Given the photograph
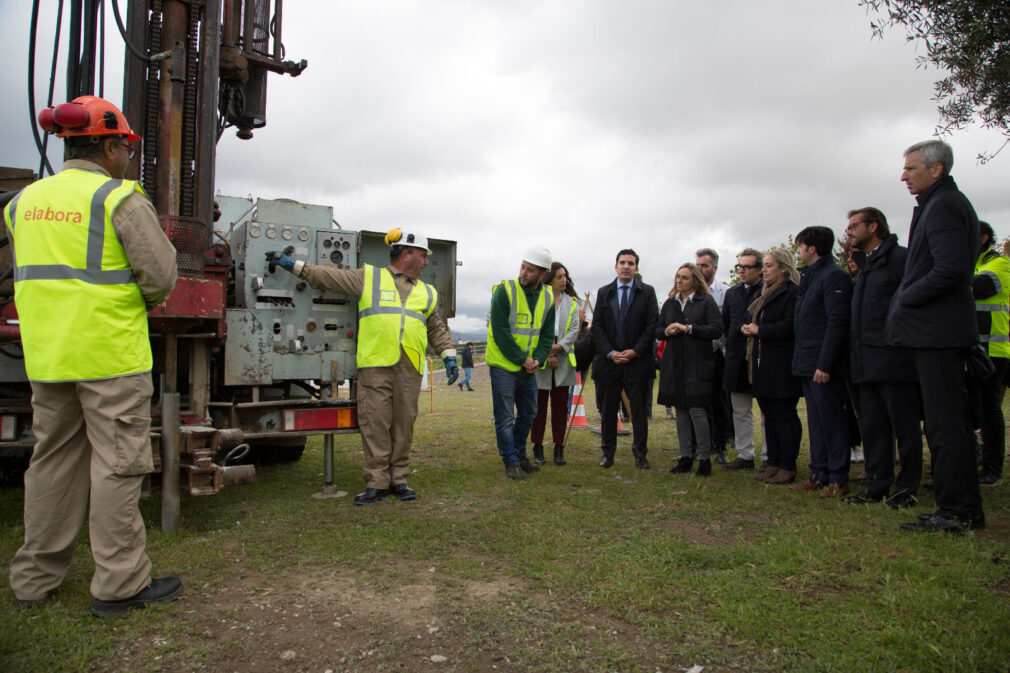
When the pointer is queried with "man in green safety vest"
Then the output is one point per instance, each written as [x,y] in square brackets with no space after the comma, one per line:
[90,258]
[396,322]
[520,334]
[991,288]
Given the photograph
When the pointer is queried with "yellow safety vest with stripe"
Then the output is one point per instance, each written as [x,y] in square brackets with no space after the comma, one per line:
[994,310]
[524,324]
[82,315]
[573,310]
[386,325]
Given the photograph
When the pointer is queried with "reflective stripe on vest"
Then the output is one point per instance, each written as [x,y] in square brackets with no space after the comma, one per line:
[82,314]
[993,313]
[386,325]
[524,324]
[573,308]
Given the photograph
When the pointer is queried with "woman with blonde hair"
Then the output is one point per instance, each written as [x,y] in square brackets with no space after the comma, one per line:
[770,342]
[688,323]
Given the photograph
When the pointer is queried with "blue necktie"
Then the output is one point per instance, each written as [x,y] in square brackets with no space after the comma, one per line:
[622,311]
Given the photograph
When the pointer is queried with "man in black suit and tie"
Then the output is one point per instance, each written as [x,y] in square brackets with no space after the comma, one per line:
[623,326]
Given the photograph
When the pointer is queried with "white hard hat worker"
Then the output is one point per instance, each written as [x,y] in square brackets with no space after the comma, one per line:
[538,256]
[407,239]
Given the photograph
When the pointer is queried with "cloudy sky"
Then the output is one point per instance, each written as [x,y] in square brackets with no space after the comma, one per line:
[583,125]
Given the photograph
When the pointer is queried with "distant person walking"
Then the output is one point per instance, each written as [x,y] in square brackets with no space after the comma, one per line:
[466,362]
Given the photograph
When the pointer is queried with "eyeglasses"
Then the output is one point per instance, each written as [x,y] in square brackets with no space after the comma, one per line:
[853,225]
[131,151]
[741,267]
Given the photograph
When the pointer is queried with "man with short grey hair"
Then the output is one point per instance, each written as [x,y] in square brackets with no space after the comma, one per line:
[933,314]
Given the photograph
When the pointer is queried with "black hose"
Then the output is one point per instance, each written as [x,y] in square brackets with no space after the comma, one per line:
[31,85]
[52,82]
[126,40]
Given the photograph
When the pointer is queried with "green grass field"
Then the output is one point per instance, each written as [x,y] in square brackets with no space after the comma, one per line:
[577,569]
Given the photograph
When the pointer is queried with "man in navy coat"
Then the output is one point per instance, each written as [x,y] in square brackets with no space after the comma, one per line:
[821,360]
[889,406]
[933,313]
[623,324]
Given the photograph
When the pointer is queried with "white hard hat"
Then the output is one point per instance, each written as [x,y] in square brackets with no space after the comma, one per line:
[407,239]
[538,256]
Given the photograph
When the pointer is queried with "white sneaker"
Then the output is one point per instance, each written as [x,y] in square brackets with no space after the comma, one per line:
[856,454]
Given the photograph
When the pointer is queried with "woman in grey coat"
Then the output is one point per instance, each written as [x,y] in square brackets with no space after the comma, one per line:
[689,322]
[557,375]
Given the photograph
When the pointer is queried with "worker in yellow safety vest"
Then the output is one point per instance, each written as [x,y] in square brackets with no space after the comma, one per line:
[991,288]
[90,258]
[397,321]
[520,334]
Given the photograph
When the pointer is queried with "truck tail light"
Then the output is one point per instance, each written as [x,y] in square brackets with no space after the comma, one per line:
[320,419]
[8,427]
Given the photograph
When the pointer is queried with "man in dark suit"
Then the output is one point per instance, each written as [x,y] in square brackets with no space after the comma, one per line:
[623,327]
[735,379]
[933,313]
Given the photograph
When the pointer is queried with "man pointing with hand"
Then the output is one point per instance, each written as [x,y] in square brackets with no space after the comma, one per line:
[396,321]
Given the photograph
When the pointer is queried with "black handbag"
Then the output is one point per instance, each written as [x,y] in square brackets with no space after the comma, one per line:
[584,348]
[978,363]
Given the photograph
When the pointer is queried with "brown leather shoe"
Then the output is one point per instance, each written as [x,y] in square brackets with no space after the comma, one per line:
[807,485]
[782,477]
[764,474]
[834,491]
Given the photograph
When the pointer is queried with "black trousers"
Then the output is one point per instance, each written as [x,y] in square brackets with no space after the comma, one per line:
[986,397]
[948,431]
[639,398]
[890,412]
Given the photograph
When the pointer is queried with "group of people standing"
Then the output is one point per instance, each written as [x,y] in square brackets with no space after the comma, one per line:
[891,346]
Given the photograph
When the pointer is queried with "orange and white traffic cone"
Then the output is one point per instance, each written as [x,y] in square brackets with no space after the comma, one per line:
[577,409]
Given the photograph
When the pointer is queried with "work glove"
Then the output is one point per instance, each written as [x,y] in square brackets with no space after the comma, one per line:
[276,258]
[451,369]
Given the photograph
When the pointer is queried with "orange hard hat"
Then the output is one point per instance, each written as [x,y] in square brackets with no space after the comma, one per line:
[86,116]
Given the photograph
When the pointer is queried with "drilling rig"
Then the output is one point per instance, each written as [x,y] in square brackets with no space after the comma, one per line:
[251,360]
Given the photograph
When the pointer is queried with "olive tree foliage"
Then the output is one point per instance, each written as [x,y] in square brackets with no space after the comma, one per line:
[970,41]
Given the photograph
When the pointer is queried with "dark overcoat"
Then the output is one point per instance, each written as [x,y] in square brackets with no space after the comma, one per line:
[934,307]
[639,325]
[687,370]
[734,316]
[873,359]
[822,320]
[773,349]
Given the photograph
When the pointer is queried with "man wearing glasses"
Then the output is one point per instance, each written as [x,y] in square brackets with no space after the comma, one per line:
[735,379]
[90,258]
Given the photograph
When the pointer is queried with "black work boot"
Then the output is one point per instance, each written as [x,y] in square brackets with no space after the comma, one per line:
[370,496]
[526,466]
[683,465]
[538,454]
[160,590]
[559,454]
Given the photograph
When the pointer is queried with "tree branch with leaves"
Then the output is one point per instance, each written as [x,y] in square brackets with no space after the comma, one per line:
[970,40]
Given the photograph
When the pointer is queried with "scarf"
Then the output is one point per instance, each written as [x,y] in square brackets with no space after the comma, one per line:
[755,308]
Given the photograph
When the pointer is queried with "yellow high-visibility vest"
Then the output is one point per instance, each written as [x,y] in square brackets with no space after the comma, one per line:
[82,313]
[524,324]
[997,307]
[387,325]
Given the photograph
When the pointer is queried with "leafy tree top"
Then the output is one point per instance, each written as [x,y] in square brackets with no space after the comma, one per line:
[970,40]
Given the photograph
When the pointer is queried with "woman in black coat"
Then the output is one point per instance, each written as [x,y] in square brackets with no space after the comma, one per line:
[770,343]
[688,323]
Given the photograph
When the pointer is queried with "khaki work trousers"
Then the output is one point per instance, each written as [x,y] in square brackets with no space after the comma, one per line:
[91,435]
[387,407]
